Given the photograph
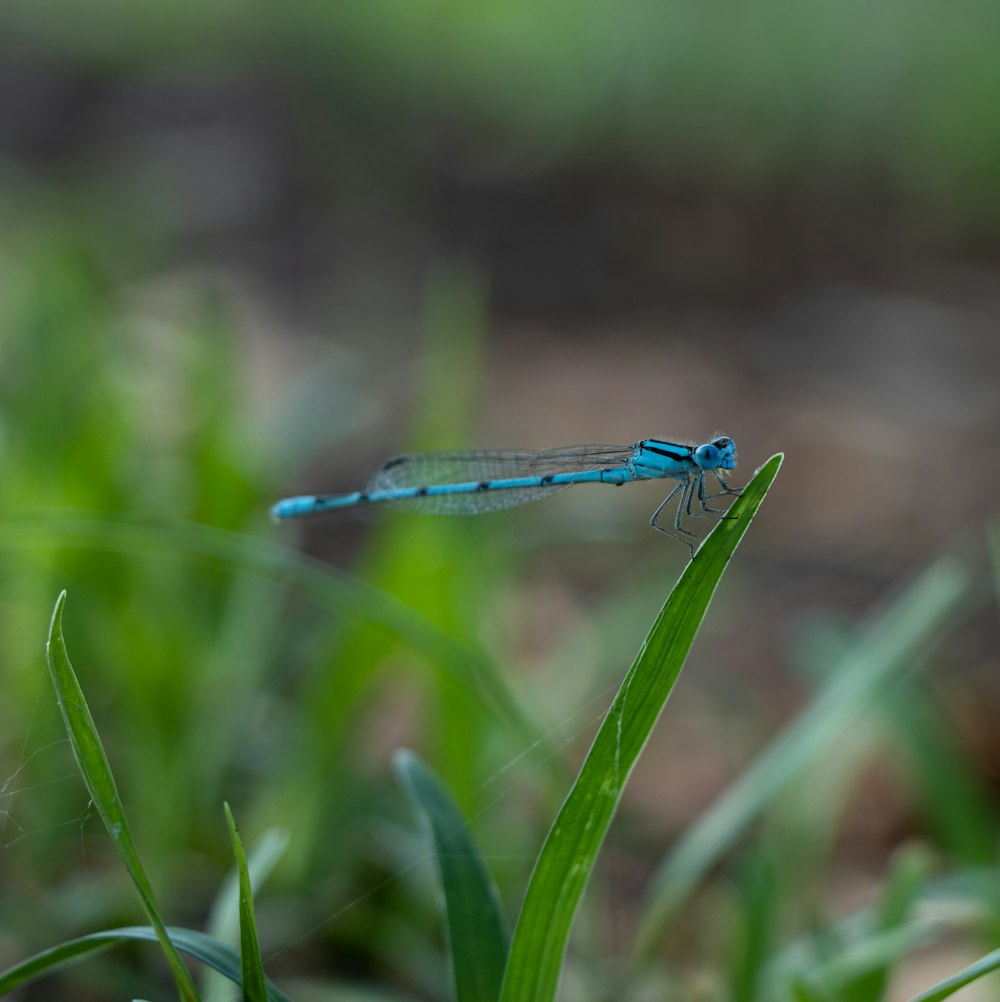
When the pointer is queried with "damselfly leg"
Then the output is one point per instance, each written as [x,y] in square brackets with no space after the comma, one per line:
[707,511]
[686,487]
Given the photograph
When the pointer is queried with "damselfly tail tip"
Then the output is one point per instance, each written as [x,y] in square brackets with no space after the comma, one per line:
[285,509]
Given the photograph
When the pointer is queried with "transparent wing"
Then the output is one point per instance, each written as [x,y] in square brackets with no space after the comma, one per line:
[426,469]
[422,469]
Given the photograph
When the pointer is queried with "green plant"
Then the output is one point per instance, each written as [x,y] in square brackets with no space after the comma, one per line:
[850,960]
[531,969]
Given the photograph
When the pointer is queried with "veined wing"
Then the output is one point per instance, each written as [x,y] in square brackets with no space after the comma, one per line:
[423,469]
[427,469]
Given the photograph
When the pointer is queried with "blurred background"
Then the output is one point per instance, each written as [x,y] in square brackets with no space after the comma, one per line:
[247,252]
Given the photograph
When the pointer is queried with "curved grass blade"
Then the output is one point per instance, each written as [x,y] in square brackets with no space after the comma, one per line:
[898,637]
[868,959]
[219,956]
[574,840]
[860,943]
[133,534]
[251,963]
[834,979]
[943,989]
[96,770]
[477,939]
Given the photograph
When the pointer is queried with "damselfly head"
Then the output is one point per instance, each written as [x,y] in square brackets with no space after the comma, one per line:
[720,453]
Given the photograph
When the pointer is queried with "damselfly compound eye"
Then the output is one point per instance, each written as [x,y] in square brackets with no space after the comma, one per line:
[707,457]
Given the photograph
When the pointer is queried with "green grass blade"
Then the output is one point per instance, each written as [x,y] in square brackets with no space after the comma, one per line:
[477,939]
[571,847]
[252,965]
[984,965]
[758,884]
[223,921]
[950,793]
[868,958]
[96,770]
[223,918]
[56,957]
[467,665]
[219,956]
[805,989]
[910,869]
[898,638]
[842,953]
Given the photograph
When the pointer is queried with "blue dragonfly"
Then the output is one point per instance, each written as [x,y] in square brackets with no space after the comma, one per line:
[466,483]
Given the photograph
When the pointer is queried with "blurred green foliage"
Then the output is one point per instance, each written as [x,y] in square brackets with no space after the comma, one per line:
[138,476]
[139,454]
[138,462]
[900,97]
